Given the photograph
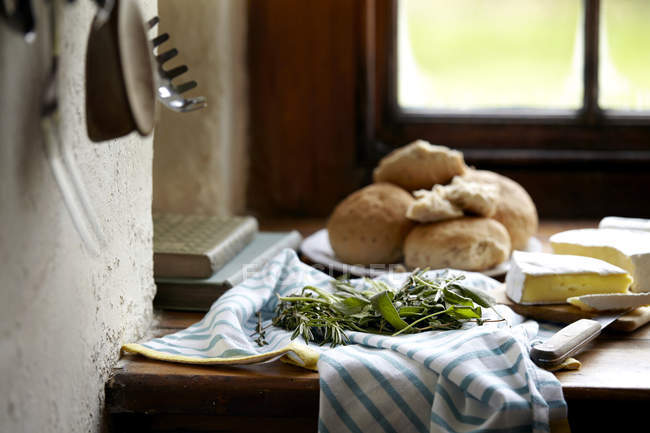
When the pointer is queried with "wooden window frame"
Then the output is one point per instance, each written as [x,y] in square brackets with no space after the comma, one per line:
[588,136]
[321,117]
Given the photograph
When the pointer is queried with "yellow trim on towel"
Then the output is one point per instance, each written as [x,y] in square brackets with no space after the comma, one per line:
[309,357]
[305,357]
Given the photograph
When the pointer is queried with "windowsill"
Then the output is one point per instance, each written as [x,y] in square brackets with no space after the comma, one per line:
[147,395]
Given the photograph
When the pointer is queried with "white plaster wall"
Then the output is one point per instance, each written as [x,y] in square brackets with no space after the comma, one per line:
[200,158]
[63,313]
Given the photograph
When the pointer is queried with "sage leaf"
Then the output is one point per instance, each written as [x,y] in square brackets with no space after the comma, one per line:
[382,303]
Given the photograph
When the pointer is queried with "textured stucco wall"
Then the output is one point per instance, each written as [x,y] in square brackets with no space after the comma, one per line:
[63,313]
[200,157]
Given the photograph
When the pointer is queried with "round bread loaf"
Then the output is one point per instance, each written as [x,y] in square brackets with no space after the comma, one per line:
[470,243]
[370,225]
[515,209]
[419,165]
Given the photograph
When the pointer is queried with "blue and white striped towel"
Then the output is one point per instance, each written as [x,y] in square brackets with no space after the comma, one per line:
[476,379]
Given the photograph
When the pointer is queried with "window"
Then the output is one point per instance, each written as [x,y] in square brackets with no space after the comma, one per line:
[565,79]
[511,55]
[624,64]
[502,56]
[323,79]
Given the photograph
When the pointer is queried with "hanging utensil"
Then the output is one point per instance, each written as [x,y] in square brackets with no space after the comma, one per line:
[18,14]
[169,93]
[61,159]
[120,90]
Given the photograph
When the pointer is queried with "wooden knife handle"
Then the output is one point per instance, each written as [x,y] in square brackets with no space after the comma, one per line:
[566,342]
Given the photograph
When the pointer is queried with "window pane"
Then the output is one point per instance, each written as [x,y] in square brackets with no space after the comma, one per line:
[624,69]
[490,54]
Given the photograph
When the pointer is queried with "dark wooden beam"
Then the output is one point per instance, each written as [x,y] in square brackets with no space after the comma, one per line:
[590,109]
[306,69]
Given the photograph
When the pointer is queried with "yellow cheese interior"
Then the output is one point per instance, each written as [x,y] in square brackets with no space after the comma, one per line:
[607,254]
[557,288]
[576,302]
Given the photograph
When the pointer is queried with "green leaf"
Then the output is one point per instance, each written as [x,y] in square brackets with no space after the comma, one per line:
[421,319]
[411,311]
[323,294]
[351,305]
[454,298]
[465,312]
[383,305]
[479,296]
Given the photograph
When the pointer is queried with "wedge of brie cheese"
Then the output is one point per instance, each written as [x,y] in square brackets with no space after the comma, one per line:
[612,222]
[610,301]
[627,249]
[542,278]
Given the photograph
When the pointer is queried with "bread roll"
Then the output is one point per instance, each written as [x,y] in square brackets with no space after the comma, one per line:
[475,197]
[370,225]
[470,243]
[515,209]
[419,165]
[432,206]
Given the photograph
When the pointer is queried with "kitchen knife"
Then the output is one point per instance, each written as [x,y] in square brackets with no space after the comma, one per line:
[570,340]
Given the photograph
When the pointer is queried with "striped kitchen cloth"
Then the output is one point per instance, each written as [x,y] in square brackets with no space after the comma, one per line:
[479,378]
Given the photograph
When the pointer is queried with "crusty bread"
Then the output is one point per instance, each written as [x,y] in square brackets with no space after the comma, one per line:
[419,165]
[432,206]
[515,209]
[469,243]
[449,201]
[475,197]
[370,225]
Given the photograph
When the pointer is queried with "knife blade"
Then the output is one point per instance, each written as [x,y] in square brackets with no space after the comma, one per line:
[571,339]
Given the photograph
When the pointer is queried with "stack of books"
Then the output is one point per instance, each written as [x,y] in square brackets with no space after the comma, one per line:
[197,258]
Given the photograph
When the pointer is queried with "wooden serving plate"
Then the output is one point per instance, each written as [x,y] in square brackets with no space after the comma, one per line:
[565,313]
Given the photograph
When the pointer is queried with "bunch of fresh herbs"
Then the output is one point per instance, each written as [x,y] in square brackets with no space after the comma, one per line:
[420,304]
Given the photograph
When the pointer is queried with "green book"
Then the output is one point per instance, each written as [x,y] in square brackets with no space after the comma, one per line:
[198,294]
[196,245]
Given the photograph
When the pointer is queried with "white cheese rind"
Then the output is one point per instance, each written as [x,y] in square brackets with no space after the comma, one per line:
[612,222]
[555,264]
[633,244]
[628,242]
[515,279]
[524,264]
[610,301]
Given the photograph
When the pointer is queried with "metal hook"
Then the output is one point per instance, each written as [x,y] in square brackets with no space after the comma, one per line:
[104,11]
[19,15]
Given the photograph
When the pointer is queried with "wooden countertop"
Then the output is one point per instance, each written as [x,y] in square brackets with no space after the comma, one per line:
[147,395]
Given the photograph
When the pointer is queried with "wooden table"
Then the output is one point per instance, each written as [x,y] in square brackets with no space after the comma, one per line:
[610,392]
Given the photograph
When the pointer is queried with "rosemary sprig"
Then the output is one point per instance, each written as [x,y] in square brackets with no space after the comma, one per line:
[421,304]
[260,331]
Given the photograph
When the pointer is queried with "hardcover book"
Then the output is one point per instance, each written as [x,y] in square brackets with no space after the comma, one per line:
[198,294]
